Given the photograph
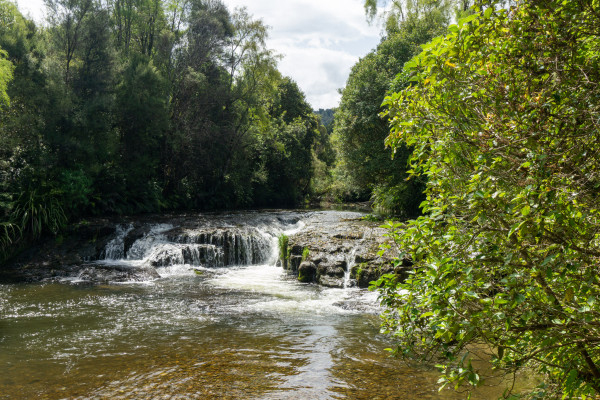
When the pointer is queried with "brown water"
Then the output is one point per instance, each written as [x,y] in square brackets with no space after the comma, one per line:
[238,333]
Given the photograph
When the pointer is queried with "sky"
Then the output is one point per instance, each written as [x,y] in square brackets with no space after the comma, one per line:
[320,40]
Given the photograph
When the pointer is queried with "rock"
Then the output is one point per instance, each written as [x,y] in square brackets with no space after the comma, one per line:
[319,259]
[365,275]
[322,269]
[335,271]
[330,281]
[294,263]
[296,250]
[354,235]
[363,258]
[116,273]
[307,272]
[339,244]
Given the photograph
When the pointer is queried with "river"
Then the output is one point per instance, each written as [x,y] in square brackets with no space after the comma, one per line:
[234,332]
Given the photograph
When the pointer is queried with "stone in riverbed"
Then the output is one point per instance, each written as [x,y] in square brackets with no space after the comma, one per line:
[111,273]
[307,272]
[335,271]
[294,263]
[330,281]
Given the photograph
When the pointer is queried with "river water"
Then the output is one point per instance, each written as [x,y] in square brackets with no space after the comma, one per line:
[238,332]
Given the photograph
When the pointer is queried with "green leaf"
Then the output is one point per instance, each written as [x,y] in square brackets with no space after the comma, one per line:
[488,13]
[516,227]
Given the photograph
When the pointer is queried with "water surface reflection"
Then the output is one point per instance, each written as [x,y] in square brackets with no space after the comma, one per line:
[238,333]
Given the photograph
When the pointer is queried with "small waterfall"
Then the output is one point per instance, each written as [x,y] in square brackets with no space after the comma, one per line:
[350,263]
[115,249]
[191,254]
[163,245]
[147,243]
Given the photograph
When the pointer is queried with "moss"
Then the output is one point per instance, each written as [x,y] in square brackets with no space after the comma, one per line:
[305,254]
[304,278]
[284,252]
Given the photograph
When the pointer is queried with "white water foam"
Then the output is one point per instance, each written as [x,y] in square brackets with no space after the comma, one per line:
[286,296]
[115,249]
[143,247]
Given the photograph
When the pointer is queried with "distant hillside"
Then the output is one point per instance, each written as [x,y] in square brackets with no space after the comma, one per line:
[326,117]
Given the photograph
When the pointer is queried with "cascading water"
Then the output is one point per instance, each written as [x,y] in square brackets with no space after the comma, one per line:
[172,249]
[115,249]
[350,263]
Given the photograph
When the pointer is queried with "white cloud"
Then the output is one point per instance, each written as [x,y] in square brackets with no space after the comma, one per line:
[320,40]
[32,8]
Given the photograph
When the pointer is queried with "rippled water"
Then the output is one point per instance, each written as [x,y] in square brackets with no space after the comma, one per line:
[247,332]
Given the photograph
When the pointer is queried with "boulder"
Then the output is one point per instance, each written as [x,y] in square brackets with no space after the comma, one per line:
[294,263]
[330,281]
[307,272]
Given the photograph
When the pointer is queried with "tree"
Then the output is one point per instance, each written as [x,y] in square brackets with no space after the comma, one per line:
[68,16]
[6,71]
[142,117]
[394,11]
[502,115]
[7,17]
[365,166]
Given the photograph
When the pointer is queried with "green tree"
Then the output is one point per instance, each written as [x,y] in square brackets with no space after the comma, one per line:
[394,11]
[503,120]
[6,74]
[365,168]
[142,118]
[27,208]
[68,17]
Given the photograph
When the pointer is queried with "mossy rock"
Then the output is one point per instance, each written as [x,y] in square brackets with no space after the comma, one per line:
[307,272]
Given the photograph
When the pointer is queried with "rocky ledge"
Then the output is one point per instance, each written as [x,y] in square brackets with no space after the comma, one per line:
[341,250]
[330,248]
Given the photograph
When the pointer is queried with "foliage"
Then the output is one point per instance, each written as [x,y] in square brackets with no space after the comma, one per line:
[305,253]
[327,118]
[36,213]
[365,168]
[32,215]
[133,106]
[284,251]
[9,235]
[503,117]
[394,11]
[6,73]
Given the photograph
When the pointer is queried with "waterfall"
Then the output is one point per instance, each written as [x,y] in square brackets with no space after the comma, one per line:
[115,249]
[350,263]
[163,245]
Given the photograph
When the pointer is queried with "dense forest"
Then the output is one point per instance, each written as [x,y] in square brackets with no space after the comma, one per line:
[143,106]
